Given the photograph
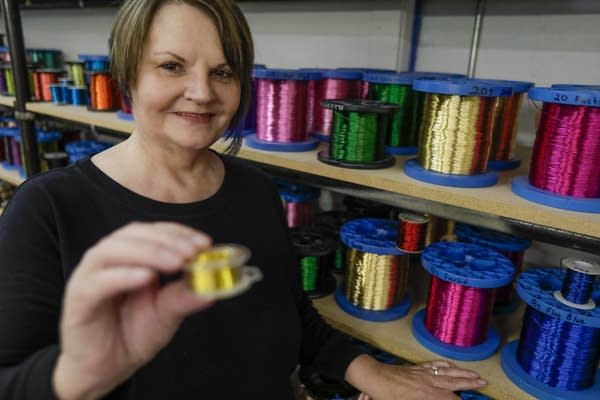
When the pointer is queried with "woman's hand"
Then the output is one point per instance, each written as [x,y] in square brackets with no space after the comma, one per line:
[434,380]
[115,315]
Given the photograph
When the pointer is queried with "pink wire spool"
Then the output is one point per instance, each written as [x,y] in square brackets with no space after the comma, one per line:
[281,111]
[565,157]
[337,84]
[456,321]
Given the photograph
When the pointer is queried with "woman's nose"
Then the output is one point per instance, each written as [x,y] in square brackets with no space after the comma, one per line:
[198,88]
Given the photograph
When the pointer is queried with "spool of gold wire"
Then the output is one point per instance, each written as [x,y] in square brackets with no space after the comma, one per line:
[219,272]
[376,271]
[358,134]
[439,229]
[505,126]
[456,132]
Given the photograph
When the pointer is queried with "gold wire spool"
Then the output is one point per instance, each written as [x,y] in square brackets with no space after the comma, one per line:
[373,281]
[456,131]
[220,271]
[439,229]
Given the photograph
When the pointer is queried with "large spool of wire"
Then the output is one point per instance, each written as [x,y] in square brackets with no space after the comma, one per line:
[506,126]
[456,320]
[316,256]
[564,169]
[456,132]
[281,111]
[557,354]
[250,119]
[358,134]
[376,271]
[336,84]
[509,245]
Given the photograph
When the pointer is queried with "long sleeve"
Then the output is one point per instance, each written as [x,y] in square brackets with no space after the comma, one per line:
[31,287]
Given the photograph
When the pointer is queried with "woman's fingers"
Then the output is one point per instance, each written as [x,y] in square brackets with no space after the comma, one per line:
[175,300]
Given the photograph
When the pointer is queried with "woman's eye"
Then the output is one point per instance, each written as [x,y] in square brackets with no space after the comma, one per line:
[171,67]
[223,74]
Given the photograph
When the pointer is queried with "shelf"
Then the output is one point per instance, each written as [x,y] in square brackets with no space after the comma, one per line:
[396,337]
[8,101]
[494,207]
[11,176]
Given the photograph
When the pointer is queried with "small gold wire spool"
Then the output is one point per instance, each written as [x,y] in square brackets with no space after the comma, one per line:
[456,131]
[439,229]
[219,269]
[373,281]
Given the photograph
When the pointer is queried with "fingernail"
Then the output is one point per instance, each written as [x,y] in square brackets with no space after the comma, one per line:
[481,382]
[201,240]
[473,375]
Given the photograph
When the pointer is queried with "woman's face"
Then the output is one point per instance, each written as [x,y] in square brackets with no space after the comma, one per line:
[185,93]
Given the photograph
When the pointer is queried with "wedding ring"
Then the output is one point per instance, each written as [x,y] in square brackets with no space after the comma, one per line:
[435,369]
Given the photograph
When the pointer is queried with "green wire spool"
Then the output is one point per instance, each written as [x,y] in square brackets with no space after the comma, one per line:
[358,134]
[402,132]
[316,252]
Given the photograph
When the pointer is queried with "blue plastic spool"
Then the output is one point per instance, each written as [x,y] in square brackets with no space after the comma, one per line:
[470,265]
[79,95]
[251,138]
[125,115]
[292,193]
[536,287]
[455,87]
[94,62]
[499,241]
[518,87]
[520,185]
[378,236]
[83,148]
[41,138]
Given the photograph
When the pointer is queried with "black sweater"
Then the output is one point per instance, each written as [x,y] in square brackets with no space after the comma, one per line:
[244,347]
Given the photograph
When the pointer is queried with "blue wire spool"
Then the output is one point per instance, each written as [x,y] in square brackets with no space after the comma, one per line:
[465,264]
[80,149]
[537,287]
[94,62]
[377,236]
[125,115]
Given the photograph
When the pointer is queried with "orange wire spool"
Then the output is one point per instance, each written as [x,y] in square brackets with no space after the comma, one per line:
[42,79]
[103,95]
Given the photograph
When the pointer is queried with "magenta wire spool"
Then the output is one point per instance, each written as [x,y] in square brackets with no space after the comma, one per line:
[337,84]
[566,152]
[564,169]
[456,321]
[281,105]
[314,95]
[300,203]
[250,119]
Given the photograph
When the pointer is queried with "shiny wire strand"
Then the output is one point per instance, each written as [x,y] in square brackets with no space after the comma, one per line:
[309,268]
[333,89]
[557,353]
[281,110]
[458,315]
[412,232]
[505,127]
[456,133]
[375,282]
[403,130]
[577,287]
[566,152]
[354,136]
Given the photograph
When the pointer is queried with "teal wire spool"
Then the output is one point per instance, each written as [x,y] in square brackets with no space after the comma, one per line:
[376,237]
[557,354]
[316,253]
[470,266]
[358,134]
[511,246]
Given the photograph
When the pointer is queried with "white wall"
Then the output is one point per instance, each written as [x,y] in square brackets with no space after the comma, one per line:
[544,41]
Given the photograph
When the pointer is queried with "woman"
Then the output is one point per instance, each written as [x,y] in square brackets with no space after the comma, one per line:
[95,248]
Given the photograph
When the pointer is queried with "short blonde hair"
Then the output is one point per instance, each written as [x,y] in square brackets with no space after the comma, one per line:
[130,29]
